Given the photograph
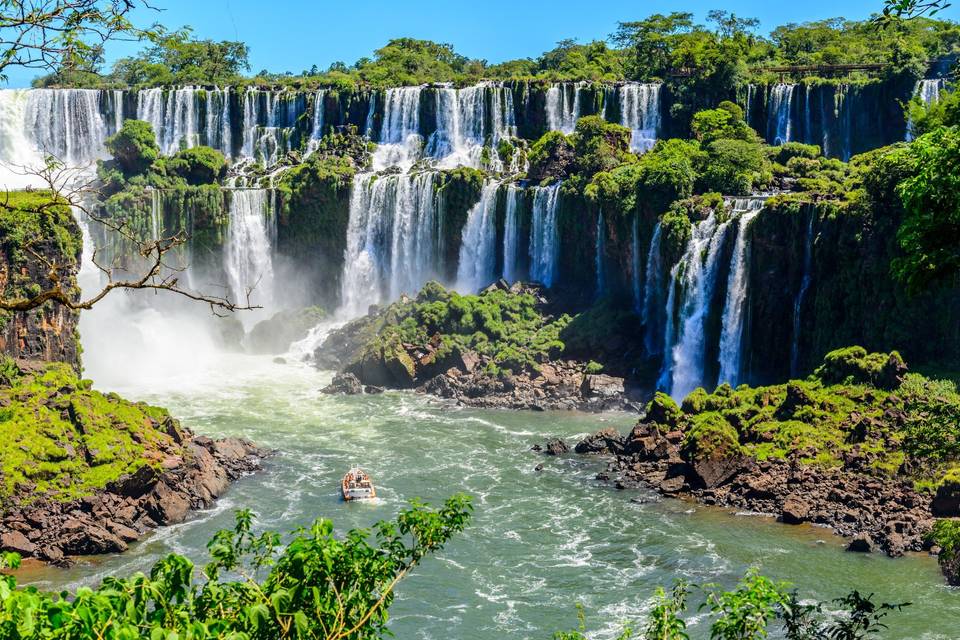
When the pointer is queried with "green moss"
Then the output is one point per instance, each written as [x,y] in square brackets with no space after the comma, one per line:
[711,436]
[946,535]
[66,441]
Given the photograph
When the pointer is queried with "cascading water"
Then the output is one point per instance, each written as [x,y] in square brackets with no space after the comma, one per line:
[66,123]
[248,251]
[544,238]
[316,124]
[801,297]
[598,250]
[511,233]
[16,149]
[731,333]
[563,106]
[640,112]
[391,239]
[400,141]
[478,255]
[779,128]
[268,121]
[467,120]
[635,285]
[173,115]
[652,297]
[928,90]
[693,281]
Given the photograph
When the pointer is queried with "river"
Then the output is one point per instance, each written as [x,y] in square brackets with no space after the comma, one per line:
[539,543]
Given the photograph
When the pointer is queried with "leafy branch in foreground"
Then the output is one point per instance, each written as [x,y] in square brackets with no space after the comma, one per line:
[756,606]
[319,586]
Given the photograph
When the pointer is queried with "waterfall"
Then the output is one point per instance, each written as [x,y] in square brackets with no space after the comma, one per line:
[478,256]
[217,132]
[544,237]
[844,114]
[173,115]
[801,297]
[269,119]
[731,333]
[16,149]
[693,281]
[779,111]
[563,106]
[391,239]
[511,234]
[599,248]
[66,123]
[468,119]
[640,112]
[652,296]
[635,285]
[248,251]
[928,90]
[400,140]
[156,215]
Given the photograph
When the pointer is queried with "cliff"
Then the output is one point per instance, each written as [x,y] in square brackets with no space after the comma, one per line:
[35,233]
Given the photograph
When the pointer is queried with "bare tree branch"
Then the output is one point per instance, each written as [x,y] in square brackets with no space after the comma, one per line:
[69,186]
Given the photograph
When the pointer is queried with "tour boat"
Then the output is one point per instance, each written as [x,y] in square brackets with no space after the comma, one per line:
[357,485]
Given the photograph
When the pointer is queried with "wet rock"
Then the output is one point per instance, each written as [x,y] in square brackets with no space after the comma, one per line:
[344,384]
[556,448]
[539,467]
[604,441]
[795,510]
[861,543]
[601,386]
[18,543]
[372,390]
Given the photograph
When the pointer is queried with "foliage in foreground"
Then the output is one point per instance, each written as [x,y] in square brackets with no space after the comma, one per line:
[318,586]
[756,606]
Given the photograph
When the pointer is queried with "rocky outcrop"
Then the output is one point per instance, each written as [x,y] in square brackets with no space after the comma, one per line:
[874,511]
[108,520]
[48,332]
[276,334]
[558,385]
[344,384]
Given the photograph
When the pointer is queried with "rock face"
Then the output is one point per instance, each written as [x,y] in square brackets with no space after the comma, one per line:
[49,332]
[344,384]
[877,513]
[275,335]
[109,520]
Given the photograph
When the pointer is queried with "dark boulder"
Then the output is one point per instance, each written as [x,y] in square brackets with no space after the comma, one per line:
[861,543]
[344,384]
[605,441]
[796,510]
[556,447]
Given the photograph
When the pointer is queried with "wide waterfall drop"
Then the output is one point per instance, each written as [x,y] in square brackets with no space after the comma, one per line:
[316,122]
[478,254]
[511,233]
[731,332]
[16,148]
[467,120]
[248,251]
[694,285]
[268,121]
[66,124]
[640,112]
[802,296]
[217,133]
[599,248]
[173,115]
[400,141]
[653,297]
[780,127]
[391,239]
[544,236]
[563,106]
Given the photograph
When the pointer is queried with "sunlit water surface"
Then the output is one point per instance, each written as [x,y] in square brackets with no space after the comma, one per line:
[539,542]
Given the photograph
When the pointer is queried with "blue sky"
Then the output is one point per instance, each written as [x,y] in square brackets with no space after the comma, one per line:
[288,35]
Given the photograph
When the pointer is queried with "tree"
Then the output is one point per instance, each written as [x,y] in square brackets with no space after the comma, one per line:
[134,147]
[58,35]
[177,58]
[319,586]
[930,232]
[651,42]
[895,10]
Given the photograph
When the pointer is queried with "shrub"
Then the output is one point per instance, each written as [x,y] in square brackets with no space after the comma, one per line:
[198,165]
[134,147]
